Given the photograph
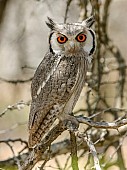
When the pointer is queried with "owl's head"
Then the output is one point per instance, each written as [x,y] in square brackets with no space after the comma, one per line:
[71,38]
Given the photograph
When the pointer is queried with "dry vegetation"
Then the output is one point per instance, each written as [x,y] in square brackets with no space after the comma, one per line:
[101,141]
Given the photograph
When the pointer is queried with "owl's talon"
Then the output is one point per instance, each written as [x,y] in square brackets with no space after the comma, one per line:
[70,123]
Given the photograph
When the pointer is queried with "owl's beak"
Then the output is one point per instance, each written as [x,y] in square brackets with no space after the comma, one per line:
[72,46]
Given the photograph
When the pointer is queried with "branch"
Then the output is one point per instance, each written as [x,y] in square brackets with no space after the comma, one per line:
[36,153]
[64,147]
[67,9]
[17,106]
[105,125]
[93,151]
[16,81]
[74,158]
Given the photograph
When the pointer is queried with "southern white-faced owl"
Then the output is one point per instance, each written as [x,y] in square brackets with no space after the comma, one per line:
[60,77]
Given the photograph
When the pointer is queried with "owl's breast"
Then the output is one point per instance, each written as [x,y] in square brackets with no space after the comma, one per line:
[77,86]
[66,77]
[65,80]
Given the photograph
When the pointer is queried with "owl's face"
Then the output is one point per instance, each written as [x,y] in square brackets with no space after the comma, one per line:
[71,38]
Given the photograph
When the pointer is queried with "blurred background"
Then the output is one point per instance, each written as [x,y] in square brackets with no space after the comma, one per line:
[23,44]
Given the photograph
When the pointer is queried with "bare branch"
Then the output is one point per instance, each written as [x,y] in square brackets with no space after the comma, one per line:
[106,125]
[74,158]
[67,9]
[17,106]
[93,151]
[64,147]
[16,81]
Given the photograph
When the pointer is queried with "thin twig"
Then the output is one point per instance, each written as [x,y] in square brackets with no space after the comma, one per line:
[74,157]
[17,106]
[64,146]
[67,9]
[16,81]
[93,151]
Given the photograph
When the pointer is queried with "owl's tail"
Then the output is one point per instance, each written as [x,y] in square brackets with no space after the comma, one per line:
[37,136]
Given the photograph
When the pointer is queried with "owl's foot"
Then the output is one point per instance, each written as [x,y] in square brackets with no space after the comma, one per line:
[70,123]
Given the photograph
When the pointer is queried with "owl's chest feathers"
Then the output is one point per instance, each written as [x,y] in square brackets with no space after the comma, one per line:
[75,69]
[64,79]
[70,73]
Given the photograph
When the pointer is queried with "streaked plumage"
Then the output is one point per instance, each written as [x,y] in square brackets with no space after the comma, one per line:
[60,77]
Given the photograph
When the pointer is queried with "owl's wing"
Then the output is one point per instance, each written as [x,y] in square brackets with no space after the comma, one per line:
[43,72]
[42,103]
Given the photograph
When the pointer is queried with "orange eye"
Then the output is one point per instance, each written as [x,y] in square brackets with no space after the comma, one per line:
[61,39]
[81,37]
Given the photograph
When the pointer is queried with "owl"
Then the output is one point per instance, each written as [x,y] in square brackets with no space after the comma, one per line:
[60,77]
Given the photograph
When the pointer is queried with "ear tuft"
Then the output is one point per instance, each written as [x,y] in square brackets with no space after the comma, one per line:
[88,22]
[50,23]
